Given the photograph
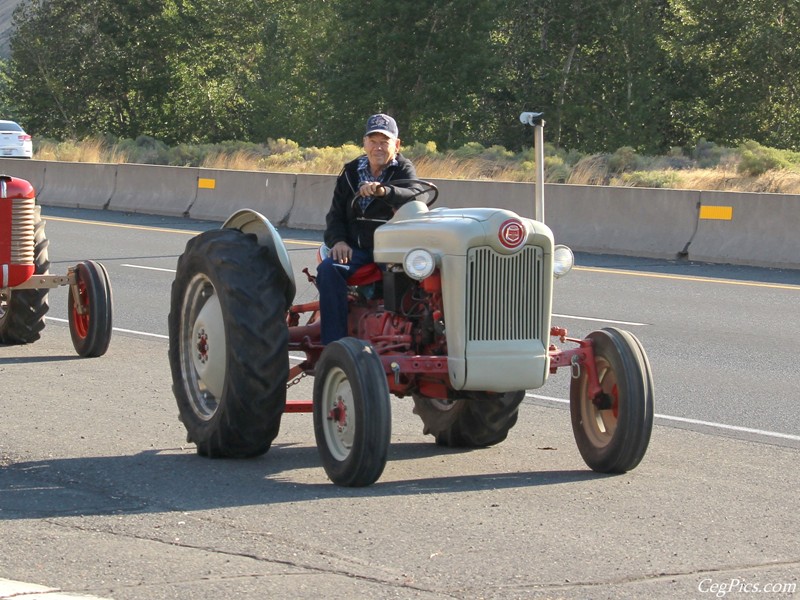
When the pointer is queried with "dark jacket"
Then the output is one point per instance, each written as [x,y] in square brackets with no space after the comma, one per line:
[345,220]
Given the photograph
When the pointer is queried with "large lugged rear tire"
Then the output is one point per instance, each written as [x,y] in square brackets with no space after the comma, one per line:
[22,311]
[90,327]
[480,420]
[228,343]
[613,433]
[352,413]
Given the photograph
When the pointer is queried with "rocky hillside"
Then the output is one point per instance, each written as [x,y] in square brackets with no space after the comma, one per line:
[6,11]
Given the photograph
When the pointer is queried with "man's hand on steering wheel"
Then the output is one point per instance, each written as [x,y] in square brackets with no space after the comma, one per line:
[372,188]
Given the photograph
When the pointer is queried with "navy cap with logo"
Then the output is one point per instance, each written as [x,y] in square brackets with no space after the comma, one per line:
[381,123]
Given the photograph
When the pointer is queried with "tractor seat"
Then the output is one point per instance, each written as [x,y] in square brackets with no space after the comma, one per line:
[365,275]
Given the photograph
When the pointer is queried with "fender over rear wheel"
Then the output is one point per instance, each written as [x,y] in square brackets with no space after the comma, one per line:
[352,413]
[612,432]
[228,343]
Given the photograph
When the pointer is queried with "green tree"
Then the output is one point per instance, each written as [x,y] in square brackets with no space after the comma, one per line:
[426,64]
[288,97]
[736,66]
[178,70]
[593,66]
[213,49]
[87,66]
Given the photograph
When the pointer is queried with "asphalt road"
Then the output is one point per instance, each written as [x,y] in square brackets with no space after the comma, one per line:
[100,495]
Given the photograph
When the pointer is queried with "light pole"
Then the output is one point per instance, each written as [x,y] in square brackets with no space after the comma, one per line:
[537,121]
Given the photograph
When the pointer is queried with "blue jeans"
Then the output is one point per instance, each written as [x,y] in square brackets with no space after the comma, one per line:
[332,286]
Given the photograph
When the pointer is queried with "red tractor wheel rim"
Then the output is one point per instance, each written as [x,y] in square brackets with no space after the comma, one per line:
[81,320]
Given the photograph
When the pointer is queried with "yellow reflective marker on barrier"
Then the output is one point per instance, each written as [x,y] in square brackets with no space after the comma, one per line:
[206,184]
[717,213]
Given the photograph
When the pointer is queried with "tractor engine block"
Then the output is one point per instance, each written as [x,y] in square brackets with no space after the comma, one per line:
[17,223]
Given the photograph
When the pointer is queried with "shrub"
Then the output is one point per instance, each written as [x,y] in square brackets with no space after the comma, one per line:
[418,150]
[469,150]
[555,170]
[624,159]
[649,179]
[756,159]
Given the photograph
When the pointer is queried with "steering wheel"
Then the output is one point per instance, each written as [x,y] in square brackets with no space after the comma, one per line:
[427,189]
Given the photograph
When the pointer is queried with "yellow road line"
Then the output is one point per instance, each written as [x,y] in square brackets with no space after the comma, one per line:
[780,286]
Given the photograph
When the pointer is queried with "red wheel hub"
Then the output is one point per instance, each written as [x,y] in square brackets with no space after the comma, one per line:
[80,311]
[339,413]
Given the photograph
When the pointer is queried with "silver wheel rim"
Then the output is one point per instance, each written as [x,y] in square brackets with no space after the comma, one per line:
[202,347]
[338,411]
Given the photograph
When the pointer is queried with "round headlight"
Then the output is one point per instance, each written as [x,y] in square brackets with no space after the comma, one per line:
[419,264]
[563,260]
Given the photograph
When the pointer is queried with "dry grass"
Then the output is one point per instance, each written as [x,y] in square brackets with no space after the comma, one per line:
[86,151]
[451,167]
[240,160]
[728,179]
[591,170]
[287,156]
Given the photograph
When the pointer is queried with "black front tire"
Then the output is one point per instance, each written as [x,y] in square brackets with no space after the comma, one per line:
[613,433]
[228,343]
[22,312]
[481,419]
[90,327]
[352,413]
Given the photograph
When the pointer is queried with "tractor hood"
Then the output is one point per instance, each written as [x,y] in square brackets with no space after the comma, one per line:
[452,231]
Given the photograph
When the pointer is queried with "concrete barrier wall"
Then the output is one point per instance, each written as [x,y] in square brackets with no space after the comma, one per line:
[725,227]
[222,192]
[31,170]
[312,199]
[635,221]
[154,190]
[78,185]
[747,228]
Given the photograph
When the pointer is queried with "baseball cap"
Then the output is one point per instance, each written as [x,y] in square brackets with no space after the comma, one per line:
[381,123]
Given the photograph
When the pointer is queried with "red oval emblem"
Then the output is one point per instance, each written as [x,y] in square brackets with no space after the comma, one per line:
[512,233]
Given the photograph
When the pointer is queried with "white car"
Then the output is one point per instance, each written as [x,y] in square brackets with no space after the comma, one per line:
[14,142]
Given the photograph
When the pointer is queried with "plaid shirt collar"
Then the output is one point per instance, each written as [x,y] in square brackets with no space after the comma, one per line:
[365,174]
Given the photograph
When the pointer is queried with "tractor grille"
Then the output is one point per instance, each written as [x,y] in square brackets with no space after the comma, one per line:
[22,231]
[504,295]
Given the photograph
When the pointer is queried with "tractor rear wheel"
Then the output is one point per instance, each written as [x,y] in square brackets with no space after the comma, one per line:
[22,311]
[90,318]
[612,432]
[352,413]
[228,343]
[479,420]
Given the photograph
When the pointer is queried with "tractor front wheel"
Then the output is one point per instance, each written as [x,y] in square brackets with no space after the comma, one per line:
[352,413]
[481,419]
[612,431]
[90,307]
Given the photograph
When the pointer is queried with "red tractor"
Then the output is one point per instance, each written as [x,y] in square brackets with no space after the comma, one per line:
[25,280]
[455,313]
